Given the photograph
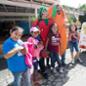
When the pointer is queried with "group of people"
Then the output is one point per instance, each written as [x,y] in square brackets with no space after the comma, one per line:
[44,43]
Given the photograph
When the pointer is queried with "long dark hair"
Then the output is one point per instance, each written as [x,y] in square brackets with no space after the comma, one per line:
[13,29]
[50,30]
[70,27]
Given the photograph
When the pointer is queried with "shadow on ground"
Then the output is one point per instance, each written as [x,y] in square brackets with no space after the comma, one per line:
[56,80]
[3,64]
[83,58]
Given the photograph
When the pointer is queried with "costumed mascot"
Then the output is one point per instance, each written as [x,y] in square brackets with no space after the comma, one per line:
[57,14]
[43,23]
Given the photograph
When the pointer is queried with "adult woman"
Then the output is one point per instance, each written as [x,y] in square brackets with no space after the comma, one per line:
[12,50]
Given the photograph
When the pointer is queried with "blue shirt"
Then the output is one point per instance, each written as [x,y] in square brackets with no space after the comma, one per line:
[16,63]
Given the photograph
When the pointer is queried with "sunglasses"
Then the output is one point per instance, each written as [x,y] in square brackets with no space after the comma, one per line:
[37,32]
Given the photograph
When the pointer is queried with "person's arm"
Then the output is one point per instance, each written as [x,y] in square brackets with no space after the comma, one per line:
[69,36]
[76,36]
[46,43]
[59,47]
[12,52]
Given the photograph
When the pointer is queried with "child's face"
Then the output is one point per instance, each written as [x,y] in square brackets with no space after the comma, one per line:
[35,34]
[73,28]
[54,29]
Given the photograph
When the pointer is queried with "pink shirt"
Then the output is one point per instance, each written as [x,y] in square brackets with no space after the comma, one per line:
[31,50]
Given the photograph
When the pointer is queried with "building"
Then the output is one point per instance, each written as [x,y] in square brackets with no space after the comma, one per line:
[72,11]
[20,10]
[21,7]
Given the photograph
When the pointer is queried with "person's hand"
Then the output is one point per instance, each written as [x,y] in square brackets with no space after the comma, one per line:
[74,36]
[39,45]
[24,51]
[28,43]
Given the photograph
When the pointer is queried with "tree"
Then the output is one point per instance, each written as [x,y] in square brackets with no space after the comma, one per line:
[71,19]
[83,7]
[82,18]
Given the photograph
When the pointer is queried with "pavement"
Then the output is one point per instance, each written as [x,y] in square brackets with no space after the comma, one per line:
[72,76]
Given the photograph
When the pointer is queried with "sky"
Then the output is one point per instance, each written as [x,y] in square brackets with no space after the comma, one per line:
[72,3]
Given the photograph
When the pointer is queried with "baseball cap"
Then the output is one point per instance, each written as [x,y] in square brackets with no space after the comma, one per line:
[34,29]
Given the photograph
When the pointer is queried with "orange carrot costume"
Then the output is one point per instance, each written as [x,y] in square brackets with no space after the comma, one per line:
[57,14]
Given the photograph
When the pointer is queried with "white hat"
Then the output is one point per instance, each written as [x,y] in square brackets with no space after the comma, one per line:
[34,29]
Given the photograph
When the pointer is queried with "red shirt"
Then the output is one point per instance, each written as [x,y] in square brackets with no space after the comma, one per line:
[54,43]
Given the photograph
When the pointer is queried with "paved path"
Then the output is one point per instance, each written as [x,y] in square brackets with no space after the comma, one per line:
[75,76]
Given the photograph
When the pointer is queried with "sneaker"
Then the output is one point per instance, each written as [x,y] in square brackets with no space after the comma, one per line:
[60,70]
[70,65]
[73,61]
[52,70]
[45,75]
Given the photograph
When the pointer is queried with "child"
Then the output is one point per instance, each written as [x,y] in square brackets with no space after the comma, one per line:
[54,46]
[34,46]
[73,42]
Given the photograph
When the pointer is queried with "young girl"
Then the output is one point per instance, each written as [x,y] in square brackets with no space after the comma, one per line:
[34,46]
[54,46]
[73,42]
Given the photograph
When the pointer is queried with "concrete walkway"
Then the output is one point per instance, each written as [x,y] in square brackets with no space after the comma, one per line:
[75,76]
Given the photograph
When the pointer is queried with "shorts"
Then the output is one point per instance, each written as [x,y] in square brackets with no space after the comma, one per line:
[73,45]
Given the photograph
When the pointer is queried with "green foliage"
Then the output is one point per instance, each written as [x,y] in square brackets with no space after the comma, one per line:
[83,7]
[33,18]
[71,19]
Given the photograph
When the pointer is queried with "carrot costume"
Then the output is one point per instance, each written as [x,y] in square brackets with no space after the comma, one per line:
[57,14]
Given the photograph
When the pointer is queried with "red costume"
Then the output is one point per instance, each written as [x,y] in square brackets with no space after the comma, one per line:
[44,28]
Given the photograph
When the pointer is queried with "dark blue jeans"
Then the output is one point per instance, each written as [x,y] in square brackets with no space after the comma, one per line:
[35,63]
[55,58]
[63,59]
